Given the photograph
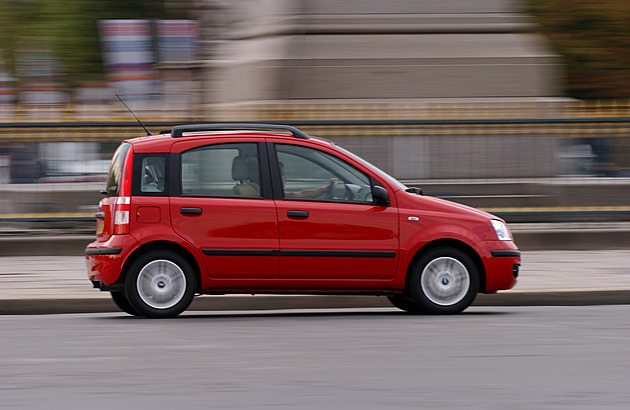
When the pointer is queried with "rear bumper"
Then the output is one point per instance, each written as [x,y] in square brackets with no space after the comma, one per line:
[105,260]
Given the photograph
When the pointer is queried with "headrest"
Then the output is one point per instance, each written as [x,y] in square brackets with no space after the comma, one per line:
[239,168]
[245,168]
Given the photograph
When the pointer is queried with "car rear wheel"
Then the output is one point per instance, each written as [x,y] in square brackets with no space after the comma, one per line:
[123,304]
[444,281]
[160,284]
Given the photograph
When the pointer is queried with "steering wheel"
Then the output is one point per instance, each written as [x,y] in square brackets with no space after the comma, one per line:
[333,188]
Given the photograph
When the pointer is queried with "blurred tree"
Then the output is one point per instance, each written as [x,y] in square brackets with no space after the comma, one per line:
[15,16]
[70,29]
[593,36]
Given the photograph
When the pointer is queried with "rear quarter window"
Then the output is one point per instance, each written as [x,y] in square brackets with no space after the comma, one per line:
[150,175]
[153,174]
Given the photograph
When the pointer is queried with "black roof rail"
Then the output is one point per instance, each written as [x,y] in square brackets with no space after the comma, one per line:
[179,130]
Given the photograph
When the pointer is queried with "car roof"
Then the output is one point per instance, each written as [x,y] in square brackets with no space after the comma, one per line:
[178,131]
[163,141]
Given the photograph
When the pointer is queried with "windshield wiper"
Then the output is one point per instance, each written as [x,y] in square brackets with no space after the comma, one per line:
[414,190]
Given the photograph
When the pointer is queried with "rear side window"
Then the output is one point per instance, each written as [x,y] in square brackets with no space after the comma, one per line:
[116,168]
[223,170]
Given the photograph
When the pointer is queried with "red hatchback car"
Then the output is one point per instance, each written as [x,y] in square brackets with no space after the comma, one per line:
[260,208]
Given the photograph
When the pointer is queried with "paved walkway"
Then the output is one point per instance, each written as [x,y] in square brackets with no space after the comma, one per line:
[45,277]
[574,270]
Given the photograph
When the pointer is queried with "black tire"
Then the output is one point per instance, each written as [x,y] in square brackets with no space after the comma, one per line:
[123,304]
[404,303]
[444,281]
[160,284]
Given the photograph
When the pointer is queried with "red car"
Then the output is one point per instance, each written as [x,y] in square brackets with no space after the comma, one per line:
[259,208]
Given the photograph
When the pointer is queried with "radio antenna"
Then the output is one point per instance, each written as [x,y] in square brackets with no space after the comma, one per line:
[134,115]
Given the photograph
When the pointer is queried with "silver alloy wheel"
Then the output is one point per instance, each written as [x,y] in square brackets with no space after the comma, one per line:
[445,281]
[161,284]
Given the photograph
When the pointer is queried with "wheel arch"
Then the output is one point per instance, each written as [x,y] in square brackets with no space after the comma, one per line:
[450,243]
[162,245]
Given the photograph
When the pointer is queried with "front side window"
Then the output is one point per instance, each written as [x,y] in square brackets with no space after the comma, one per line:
[223,170]
[316,175]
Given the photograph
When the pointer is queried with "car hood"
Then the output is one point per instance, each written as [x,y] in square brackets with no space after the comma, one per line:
[430,203]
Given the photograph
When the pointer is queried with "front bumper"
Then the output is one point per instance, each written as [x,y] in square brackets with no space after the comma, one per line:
[502,261]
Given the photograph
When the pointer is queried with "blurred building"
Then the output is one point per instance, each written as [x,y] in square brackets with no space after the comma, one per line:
[258,53]
[288,60]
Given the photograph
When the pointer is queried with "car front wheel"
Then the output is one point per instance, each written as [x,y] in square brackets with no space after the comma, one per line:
[160,284]
[404,303]
[444,281]
[123,304]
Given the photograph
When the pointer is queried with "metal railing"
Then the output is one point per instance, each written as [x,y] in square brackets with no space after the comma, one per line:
[523,169]
[327,110]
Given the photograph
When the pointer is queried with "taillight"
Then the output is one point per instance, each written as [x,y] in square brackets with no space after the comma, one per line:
[121,215]
[123,202]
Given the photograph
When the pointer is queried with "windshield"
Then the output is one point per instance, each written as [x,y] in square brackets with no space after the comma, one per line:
[374,168]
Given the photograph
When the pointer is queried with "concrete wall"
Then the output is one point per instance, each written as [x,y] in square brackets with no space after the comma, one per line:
[297,52]
[386,66]
[471,156]
[366,49]
[412,6]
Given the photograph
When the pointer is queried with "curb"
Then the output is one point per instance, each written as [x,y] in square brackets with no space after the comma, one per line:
[271,303]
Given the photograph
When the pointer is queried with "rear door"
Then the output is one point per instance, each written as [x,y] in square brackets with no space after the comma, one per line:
[330,228]
[224,207]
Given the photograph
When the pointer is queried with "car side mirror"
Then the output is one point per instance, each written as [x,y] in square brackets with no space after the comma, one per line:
[380,195]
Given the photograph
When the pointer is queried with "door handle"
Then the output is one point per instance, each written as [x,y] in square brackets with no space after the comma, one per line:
[190,211]
[297,214]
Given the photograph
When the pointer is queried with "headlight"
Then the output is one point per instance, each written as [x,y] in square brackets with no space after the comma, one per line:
[502,231]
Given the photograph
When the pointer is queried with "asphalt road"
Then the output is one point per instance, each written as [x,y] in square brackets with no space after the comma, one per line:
[488,357]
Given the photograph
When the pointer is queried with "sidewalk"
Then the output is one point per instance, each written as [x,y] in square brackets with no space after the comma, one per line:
[59,284]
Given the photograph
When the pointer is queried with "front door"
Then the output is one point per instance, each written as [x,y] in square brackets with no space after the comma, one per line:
[330,228]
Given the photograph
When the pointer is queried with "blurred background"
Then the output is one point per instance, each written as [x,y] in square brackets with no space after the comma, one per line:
[519,107]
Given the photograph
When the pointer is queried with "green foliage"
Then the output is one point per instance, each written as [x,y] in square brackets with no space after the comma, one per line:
[593,36]
[69,28]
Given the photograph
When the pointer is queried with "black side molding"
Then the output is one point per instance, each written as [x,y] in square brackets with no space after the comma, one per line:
[241,252]
[506,254]
[103,251]
[311,253]
[340,254]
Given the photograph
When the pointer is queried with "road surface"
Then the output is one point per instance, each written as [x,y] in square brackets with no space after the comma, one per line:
[488,357]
